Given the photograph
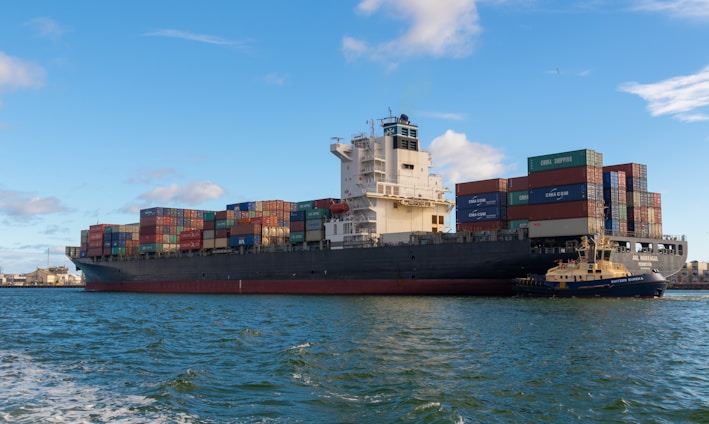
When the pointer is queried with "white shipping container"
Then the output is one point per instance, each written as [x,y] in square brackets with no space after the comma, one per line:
[566,227]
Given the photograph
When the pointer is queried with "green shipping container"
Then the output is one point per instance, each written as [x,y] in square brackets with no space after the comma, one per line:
[210,216]
[516,198]
[151,248]
[518,223]
[585,157]
[304,206]
[115,251]
[297,236]
[317,214]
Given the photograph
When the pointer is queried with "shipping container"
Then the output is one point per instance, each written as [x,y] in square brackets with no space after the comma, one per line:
[584,157]
[562,210]
[485,213]
[306,205]
[190,244]
[518,183]
[483,186]
[297,236]
[515,198]
[191,234]
[565,193]
[245,240]
[246,229]
[297,225]
[518,212]
[567,176]
[481,200]
[297,215]
[317,214]
[481,226]
[514,224]
[565,227]
[314,224]
[314,235]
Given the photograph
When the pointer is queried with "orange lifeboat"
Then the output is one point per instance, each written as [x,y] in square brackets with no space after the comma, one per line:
[339,208]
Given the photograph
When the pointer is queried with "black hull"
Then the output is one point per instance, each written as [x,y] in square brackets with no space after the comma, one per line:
[462,267]
[641,286]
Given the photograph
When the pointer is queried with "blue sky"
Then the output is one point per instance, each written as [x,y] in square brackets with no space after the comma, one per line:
[110,107]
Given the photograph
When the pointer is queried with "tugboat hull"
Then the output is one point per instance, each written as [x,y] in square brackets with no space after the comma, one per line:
[641,286]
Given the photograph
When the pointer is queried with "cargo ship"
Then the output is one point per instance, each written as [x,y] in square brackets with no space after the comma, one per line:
[389,232]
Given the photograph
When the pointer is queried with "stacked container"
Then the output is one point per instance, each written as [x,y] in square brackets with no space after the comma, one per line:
[273,216]
[565,193]
[160,228]
[191,239]
[223,221]
[614,197]
[481,205]
[95,240]
[246,234]
[122,239]
[643,218]
[518,202]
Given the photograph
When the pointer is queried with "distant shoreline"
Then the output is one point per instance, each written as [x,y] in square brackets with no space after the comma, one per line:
[42,286]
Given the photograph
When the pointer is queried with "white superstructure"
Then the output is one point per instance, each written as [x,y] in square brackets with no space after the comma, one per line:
[386,184]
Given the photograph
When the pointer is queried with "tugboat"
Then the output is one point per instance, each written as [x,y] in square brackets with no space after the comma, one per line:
[593,274]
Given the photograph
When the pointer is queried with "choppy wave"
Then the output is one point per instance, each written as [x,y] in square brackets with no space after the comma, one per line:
[94,358]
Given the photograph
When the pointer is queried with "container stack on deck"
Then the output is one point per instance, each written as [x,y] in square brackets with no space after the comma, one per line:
[564,194]
[644,208]
[481,205]
[614,196]
[165,230]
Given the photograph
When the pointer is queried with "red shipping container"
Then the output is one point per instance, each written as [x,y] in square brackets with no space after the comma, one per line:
[517,212]
[222,233]
[297,226]
[563,210]
[480,187]
[566,176]
[481,226]
[149,229]
[518,183]
[210,225]
[190,234]
[252,228]
[149,238]
[190,244]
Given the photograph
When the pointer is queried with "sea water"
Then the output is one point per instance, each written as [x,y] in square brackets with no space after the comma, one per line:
[69,356]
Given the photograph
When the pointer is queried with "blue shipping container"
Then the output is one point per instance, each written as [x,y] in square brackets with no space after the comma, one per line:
[244,240]
[489,213]
[562,193]
[297,215]
[481,200]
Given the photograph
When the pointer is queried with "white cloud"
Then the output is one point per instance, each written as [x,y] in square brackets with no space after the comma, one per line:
[458,160]
[275,79]
[22,205]
[451,116]
[16,73]
[46,27]
[680,8]
[436,28]
[681,97]
[193,193]
[202,38]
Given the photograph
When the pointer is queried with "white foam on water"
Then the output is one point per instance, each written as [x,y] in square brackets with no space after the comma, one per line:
[31,392]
